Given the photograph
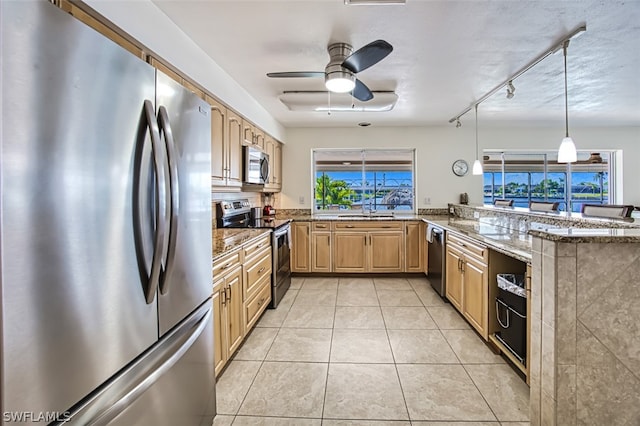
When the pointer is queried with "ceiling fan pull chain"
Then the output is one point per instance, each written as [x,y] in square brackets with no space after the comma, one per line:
[329,102]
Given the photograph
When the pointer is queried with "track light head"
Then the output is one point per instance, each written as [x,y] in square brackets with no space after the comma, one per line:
[510,89]
[458,123]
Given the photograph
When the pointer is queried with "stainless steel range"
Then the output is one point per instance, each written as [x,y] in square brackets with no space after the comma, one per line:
[237,214]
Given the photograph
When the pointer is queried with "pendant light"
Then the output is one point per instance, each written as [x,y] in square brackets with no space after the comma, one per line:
[477,165]
[567,151]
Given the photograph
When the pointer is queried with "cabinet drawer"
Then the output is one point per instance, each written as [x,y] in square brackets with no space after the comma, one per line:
[254,247]
[258,304]
[321,226]
[254,273]
[369,225]
[468,247]
[226,263]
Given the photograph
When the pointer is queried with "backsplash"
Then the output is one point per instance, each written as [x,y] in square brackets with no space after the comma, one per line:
[522,219]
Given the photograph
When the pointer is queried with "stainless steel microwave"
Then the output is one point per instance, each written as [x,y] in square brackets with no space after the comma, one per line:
[256,165]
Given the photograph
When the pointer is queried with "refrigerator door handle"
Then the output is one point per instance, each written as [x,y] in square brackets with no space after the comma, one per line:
[174,188]
[177,344]
[160,205]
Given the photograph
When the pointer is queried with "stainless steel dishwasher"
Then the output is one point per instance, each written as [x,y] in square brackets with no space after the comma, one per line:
[435,258]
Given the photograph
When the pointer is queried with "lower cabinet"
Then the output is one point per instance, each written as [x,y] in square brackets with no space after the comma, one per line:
[229,327]
[349,252]
[386,251]
[321,251]
[467,281]
[415,247]
[301,247]
[241,293]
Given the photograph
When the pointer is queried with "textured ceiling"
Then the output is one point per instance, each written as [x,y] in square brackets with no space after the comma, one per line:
[447,54]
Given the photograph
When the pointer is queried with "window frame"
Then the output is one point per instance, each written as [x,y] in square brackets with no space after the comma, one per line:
[613,191]
[363,210]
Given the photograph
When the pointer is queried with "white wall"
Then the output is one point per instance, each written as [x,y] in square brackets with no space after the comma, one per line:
[149,25]
[438,147]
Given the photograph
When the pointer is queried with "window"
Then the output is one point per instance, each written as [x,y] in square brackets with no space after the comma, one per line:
[526,177]
[359,181]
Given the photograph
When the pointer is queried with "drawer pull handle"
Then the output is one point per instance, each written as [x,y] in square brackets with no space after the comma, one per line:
[349,226]
[260,245]
[321,226]
[227,265]
[386,226]
[261,270]
[261,301]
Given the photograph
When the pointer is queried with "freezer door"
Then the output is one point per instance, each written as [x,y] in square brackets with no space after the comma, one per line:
[171,384]
[185,127]
[73,303]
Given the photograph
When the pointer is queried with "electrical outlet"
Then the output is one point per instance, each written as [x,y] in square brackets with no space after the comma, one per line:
[476,215]
[301,199]
[427,200]
[451,210]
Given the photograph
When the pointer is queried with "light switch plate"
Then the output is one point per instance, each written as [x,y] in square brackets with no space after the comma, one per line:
[476,215]
[301,199]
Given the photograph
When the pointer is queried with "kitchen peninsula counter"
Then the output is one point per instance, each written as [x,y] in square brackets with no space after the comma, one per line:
[226,240]
[512,242]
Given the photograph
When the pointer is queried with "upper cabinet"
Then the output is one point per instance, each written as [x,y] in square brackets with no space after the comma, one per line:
[252,135]
[226,154]
[274,149]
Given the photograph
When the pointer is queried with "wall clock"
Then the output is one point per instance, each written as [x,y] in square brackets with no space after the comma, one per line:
[460,167]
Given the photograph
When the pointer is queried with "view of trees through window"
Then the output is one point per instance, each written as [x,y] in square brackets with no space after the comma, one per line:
[364,180]
[539,177]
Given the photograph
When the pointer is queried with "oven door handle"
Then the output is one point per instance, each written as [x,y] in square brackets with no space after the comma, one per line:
[284,230]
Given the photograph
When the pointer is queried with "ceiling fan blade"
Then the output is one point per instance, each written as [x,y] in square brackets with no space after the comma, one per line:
[361,92]
[367,56]
[294,74]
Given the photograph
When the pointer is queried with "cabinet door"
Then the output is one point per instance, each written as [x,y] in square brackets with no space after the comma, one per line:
[258,137]
[248,133]
[219,332]
[349,252]
[454,278]
[475,294]
[235,314]
[386,251]
[321,252]
[269,148]
[414,247]
[301,256]
[234,149]
[277,165]
[219,140]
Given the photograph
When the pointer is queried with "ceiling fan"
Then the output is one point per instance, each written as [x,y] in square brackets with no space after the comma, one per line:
[344,64]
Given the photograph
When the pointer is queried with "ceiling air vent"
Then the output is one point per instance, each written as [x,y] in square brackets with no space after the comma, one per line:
[337,102]
[373,2]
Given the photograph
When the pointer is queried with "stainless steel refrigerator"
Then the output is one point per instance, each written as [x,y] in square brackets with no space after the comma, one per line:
[105,232]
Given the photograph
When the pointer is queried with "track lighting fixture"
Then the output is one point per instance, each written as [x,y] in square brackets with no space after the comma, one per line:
[567,151]
[458,123]
[508,83]
[510,89]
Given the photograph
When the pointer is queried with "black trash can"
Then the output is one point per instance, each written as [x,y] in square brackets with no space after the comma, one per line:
[511,310]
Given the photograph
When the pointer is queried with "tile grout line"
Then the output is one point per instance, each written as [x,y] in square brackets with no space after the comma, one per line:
[326,381]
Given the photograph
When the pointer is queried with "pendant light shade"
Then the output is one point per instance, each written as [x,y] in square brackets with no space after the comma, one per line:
[477,165]
[567,151]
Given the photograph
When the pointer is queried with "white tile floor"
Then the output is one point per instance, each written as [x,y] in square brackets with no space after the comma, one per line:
[363,351]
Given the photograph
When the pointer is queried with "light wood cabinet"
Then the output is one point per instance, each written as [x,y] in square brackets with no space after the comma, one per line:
[349,251]
[257,280]
[301,250]
[368,247]
[321,251]
[467,281]
[414,247]
[229,327]
[454,277]
[234,149]
[252,135]
[226,154]
[475,295]
[274,149]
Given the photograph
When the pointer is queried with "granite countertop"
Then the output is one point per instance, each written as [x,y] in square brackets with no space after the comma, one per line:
[346,217]
[587,235]
[226,240]
[514,243]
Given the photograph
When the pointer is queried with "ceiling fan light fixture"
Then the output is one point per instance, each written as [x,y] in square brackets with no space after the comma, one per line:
[340,83]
